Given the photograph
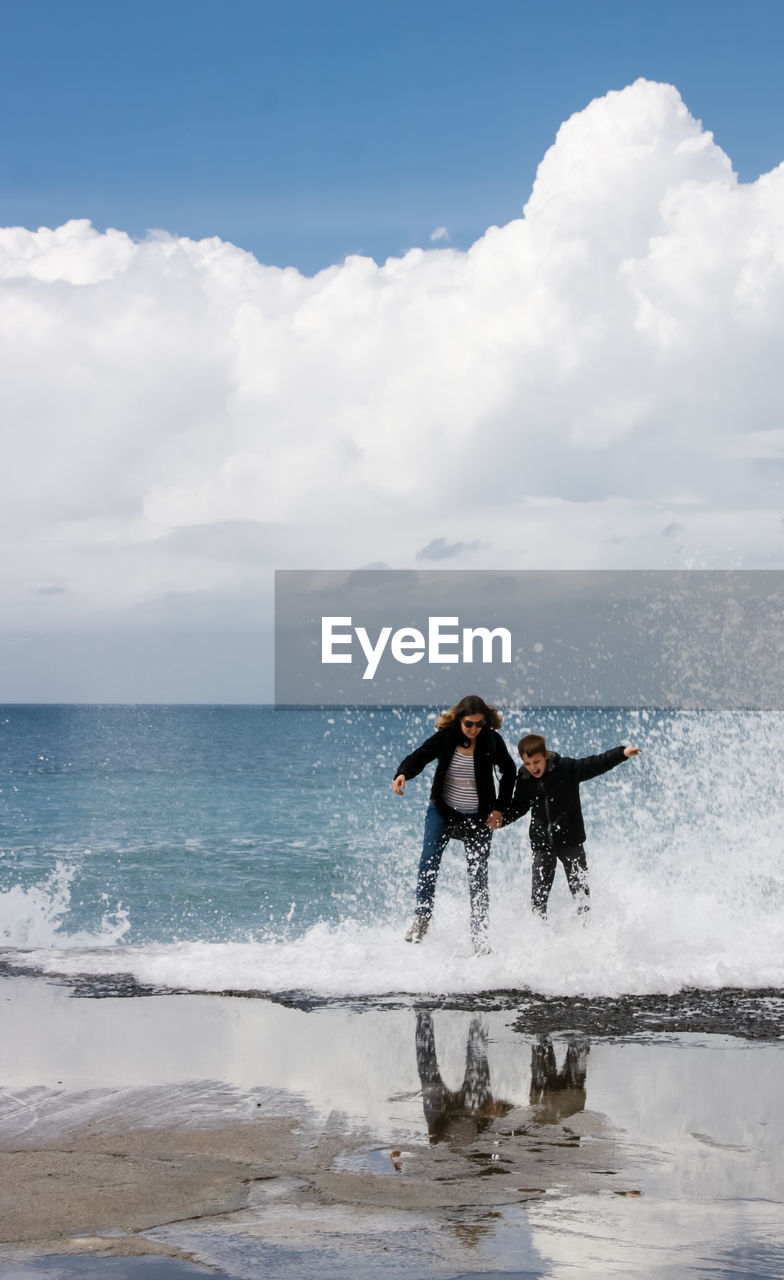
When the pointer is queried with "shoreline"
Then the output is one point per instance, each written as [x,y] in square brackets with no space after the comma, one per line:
[751,1013]
[208,1128]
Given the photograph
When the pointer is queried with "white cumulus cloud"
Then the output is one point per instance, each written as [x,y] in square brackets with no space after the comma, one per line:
[577,385]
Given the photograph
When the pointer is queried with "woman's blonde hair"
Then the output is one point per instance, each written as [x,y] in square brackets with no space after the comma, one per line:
[471,705]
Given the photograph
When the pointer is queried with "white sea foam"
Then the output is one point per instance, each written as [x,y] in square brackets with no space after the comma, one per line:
[37,916]
[646,934]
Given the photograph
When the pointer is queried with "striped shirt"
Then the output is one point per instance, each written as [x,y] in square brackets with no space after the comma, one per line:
[460,784]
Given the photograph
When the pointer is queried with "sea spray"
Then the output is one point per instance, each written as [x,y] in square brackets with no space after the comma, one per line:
[36,916]
[209,824]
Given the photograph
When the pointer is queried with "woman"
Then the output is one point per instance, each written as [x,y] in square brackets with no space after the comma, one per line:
[463,804]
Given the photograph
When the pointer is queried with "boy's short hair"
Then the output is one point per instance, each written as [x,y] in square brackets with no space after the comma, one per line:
[533,744]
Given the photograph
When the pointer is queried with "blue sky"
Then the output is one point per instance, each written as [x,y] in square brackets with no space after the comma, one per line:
[312,129]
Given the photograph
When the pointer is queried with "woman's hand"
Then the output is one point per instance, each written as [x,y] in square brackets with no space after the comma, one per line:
[399,785]
[631,751]
[495,820]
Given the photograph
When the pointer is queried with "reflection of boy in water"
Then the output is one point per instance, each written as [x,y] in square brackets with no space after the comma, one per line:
[558,1094]
[456,1116]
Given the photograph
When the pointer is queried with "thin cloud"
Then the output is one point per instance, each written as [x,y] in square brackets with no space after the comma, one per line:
[440,549]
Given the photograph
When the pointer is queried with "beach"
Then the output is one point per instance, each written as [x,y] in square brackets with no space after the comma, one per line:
[234,1133]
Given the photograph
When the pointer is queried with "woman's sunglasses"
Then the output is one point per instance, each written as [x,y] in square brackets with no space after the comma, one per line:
[473,724]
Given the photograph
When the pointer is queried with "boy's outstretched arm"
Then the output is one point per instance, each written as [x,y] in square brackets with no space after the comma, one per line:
[593,766]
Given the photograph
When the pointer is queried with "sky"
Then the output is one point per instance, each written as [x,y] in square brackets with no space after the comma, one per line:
[337,285]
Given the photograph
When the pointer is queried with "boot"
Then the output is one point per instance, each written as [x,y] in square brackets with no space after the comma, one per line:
[418,929]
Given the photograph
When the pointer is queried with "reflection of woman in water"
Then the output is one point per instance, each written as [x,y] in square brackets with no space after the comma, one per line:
[463,804]
[456,1115]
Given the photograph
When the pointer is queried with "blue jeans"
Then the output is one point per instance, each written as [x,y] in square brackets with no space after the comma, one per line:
[476,836]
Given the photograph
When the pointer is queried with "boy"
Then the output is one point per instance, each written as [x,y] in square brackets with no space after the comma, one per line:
[549,785]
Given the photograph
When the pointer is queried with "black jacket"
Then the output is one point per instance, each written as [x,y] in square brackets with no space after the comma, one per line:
[554,799]
[490,753]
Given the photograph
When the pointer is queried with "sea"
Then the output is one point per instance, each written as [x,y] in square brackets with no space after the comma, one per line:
[261,850]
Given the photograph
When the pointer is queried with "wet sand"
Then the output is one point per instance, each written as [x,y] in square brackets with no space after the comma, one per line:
[259,1139]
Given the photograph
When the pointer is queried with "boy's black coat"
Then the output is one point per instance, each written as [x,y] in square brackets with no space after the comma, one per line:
[554,799]
[490,751]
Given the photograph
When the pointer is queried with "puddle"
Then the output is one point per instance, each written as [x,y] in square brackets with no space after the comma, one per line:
[383,1160]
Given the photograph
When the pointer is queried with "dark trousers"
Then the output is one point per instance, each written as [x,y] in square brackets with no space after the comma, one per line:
[476,837]
[558,1094]
[543,868]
